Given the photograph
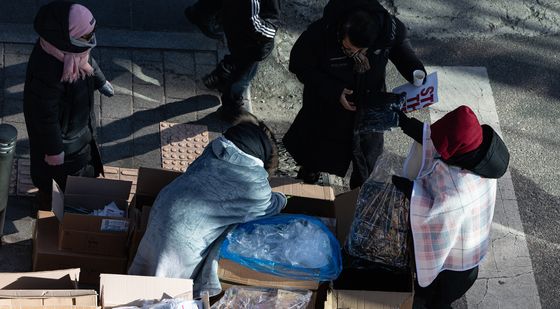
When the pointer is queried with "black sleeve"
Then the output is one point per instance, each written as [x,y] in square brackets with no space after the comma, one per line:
[411,127]
[264,19]
[46,104]
[305,64]
[402,55]
[98,76]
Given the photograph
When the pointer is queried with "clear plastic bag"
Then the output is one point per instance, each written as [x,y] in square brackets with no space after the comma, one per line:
[293,246]
[254,298]
[379,112]
[380,231]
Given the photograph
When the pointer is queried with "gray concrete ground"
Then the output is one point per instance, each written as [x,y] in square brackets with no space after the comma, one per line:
[155,60]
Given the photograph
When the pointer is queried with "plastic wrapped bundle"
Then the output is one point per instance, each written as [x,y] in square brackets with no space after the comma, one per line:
[380,230]
[379,114]
[291,246]
[254,298]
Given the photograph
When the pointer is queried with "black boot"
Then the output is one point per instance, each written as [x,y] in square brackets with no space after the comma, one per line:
[220,78]
[208,25]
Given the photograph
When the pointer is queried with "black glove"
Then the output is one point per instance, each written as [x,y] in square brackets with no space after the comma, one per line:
[403,184]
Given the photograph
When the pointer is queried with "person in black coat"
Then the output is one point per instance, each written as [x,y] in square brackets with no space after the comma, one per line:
[250,27]
[341,60]
[58,97]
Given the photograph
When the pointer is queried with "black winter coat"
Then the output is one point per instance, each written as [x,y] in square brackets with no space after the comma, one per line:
[320,137]
[59,115]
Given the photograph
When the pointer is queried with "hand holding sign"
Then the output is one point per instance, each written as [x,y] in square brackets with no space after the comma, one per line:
[419,97]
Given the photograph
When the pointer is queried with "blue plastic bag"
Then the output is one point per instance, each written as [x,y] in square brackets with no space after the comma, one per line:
[292,246]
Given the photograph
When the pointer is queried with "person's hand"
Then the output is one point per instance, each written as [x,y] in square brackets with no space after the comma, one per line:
[345,103]
[107,89]
[403,184]
[54,160]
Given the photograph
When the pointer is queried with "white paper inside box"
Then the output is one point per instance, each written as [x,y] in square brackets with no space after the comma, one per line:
[85,233]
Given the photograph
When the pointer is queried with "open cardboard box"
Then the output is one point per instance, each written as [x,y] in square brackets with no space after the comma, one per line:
[313,200]
[53,289]
[150,182]
[305,199]
[361,296]
[46,255]
[127,290]
[87,233]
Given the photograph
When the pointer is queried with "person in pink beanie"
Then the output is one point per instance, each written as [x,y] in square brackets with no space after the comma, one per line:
[59,96]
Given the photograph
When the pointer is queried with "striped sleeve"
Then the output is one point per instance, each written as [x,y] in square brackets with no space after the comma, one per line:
[261,26]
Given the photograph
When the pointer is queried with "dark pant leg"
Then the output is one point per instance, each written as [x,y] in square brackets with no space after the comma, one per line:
[446,288]
[208,8]
[367,147]
[234,92]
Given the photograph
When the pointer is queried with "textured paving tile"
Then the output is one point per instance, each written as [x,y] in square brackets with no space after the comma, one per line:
[25,186]
[148,72]
[181,144]
[15,65]
[116,107]
[12,111]
[115,59]
[147,96]
[179,86]
[179,62]
[207,58]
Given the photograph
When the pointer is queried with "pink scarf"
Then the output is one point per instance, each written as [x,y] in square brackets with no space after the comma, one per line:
[76,66]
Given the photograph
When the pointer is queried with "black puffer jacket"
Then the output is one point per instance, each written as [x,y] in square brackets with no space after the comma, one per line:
[320,137]
[58,115]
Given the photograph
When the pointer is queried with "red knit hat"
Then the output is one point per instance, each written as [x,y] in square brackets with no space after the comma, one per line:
[456,133]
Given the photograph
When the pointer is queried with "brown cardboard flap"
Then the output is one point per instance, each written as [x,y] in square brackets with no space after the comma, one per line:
[117,189]
[119,290]
[346,299]
[295,187]
[231,272]
[152,180]
[345,207]
[46,255]
[56,279]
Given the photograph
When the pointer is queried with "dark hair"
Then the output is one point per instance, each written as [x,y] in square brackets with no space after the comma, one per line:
[361,27]
[272,163]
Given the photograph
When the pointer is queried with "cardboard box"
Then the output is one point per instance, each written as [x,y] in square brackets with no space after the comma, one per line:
[359,296]
[138,231]
[233,273]
[150,182]
[125,290]
[53,289]
[46,255]
[305,199]
[63,279]
[87,233]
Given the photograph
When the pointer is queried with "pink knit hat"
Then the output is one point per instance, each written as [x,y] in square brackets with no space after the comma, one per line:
[80,21]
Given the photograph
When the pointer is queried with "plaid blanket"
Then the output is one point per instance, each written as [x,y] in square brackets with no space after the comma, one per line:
[451,214]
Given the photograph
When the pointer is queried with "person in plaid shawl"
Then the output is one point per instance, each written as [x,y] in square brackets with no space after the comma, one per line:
[451,202]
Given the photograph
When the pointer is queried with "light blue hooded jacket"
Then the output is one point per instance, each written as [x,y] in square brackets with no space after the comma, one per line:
[191,215]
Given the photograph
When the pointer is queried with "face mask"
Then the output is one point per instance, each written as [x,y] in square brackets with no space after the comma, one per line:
[83,43]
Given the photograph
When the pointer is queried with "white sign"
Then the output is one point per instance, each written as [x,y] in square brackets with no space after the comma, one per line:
[419,97]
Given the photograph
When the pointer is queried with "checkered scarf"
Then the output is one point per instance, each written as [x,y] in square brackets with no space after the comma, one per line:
[451,214]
